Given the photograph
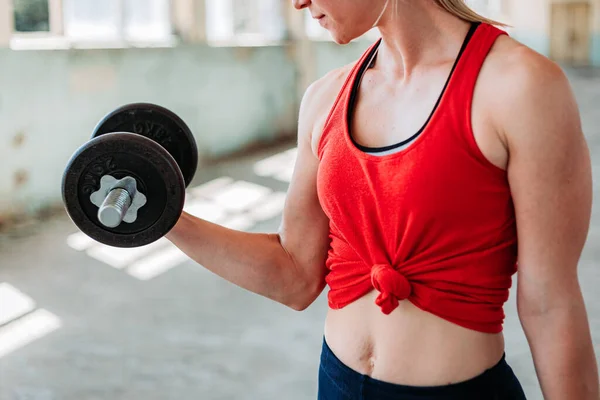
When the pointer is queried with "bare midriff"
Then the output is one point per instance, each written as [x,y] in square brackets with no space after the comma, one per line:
[409,346]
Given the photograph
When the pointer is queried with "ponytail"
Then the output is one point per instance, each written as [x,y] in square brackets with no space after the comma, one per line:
[461,10]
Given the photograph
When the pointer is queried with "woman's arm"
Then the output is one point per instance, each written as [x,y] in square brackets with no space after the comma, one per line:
[549,171]
[288,266]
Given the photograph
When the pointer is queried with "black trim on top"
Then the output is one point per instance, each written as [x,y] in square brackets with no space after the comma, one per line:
[369,62]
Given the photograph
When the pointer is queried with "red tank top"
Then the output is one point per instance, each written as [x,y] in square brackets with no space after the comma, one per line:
[432,223]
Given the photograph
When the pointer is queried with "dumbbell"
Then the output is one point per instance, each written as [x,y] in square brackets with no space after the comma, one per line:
[126,186]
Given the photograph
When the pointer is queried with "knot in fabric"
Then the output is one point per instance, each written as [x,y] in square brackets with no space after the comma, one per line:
[392,286]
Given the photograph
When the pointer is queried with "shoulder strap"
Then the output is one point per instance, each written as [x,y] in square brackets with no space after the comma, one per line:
[468,68]
[461,87]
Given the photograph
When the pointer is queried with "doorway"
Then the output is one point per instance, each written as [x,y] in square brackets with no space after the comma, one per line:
[570,32]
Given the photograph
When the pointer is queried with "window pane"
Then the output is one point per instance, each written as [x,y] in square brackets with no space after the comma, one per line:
[147,19]
[245,17]
[31,15]
[261,19]
[92,19]
[271,19]
[219,17]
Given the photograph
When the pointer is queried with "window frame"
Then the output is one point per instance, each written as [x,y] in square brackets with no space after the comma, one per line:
[55,21]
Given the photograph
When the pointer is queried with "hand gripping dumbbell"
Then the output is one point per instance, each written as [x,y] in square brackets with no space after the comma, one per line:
[126,186]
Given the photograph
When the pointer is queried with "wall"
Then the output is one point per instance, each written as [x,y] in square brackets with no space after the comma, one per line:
[51,100]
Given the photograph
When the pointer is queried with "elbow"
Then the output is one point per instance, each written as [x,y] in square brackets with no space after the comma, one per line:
[305,296]
[302,283]
[299,306]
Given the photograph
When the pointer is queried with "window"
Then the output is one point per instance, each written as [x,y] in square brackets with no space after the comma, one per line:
[31,16]
[117,20]
[246,17]
[92,19]
[245,21]
[54,24]
[37,24]
[147,19]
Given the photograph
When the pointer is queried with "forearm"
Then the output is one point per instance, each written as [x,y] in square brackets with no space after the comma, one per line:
[563,353]
[257,262]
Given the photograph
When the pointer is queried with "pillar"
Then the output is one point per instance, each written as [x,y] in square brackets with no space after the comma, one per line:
[189,19]
[301,48]
[6,22]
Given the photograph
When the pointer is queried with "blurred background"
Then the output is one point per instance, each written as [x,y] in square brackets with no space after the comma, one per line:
[81,320]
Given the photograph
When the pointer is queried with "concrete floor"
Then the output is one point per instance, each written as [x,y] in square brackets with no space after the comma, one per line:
[79,320]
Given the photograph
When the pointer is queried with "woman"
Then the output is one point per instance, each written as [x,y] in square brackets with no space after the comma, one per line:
[421,169]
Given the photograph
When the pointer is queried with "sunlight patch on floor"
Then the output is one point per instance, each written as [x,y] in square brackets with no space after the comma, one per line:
[157,264]
[13,303]
[279,166]
[20,322]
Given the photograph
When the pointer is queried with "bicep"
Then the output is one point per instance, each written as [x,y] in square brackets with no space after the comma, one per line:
[549,174]
[304,228]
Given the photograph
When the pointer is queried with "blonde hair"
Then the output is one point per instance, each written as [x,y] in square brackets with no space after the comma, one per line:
[461,10]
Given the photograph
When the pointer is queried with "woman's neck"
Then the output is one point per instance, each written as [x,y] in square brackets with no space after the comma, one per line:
[416,35]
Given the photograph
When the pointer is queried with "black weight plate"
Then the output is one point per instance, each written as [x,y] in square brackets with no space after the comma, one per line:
[159,124]
[121,155]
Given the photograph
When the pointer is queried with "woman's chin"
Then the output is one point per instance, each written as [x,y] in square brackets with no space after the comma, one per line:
[341,39]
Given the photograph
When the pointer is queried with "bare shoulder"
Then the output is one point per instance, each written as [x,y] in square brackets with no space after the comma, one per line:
[318,100]
[523,85]
[514,63]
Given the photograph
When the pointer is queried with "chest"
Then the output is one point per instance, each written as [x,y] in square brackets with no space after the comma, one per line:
[385,113]
[426,182]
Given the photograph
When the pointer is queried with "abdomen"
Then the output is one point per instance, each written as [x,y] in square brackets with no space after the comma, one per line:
[409,346]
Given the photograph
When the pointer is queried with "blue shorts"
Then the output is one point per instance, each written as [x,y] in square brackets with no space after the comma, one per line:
[339,382]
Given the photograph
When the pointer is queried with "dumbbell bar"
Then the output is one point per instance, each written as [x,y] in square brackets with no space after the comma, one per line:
[127,188]
[117,200]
